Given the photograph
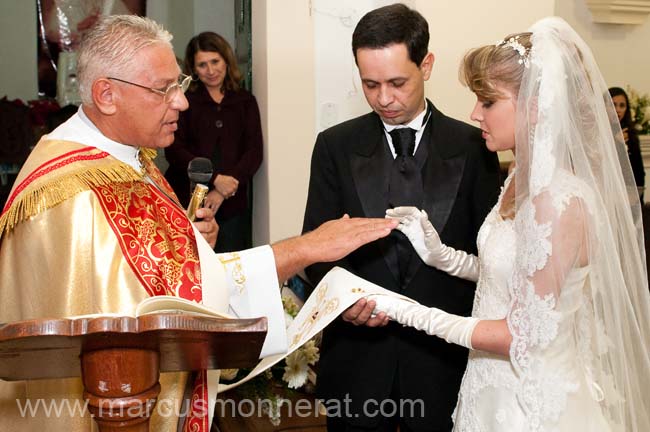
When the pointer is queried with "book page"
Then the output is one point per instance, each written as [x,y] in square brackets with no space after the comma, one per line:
[171,304]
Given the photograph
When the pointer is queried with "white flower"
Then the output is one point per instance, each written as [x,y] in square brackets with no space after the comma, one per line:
[639,109]
[514,43]
[311,352]
[229,374]
[296,370]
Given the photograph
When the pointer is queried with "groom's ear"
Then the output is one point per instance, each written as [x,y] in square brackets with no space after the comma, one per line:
[427,65]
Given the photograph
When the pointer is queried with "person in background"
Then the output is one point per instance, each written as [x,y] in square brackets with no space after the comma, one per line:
[92,227]
[559,335]
[405,151]
[622,105]
[223,125]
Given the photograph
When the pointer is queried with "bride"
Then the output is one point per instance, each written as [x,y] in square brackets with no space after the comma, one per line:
[559,334]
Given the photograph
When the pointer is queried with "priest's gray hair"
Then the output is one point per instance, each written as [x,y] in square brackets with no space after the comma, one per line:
[110,48]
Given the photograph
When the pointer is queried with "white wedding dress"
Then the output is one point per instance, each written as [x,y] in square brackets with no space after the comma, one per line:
[567,275]
[490,393]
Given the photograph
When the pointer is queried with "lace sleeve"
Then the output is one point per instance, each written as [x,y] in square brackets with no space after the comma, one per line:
[552,244]
[579,287]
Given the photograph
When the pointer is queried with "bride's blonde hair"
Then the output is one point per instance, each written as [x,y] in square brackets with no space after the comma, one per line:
[503,63]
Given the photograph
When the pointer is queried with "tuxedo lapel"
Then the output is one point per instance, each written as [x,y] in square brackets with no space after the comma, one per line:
[369,173]
[442,174]
[370,166]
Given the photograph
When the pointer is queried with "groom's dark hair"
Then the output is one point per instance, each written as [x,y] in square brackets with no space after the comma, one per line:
[393,24]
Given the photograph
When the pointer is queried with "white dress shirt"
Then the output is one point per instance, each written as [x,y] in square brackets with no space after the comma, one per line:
[419,123]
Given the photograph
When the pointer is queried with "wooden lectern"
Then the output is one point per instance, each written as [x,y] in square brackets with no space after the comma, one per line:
[120,358]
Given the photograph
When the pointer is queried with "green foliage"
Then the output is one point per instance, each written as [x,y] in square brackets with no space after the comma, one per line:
[640,110]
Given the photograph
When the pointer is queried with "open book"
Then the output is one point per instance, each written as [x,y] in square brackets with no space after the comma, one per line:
[164,304]
[172,304]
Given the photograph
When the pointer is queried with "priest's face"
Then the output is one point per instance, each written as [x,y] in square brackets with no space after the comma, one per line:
[146,118]
[392,83]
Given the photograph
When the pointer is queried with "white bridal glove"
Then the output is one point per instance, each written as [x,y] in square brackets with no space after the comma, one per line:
[416,227]
[452,328]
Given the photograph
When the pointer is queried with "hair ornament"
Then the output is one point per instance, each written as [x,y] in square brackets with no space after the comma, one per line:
[514,43]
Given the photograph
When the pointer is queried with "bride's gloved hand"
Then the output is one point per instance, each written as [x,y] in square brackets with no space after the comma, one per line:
[436,322]
[426,242]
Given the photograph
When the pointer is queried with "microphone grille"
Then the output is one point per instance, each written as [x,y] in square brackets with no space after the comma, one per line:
[199,170]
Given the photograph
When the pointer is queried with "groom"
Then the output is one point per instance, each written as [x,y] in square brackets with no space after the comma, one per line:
[371,163]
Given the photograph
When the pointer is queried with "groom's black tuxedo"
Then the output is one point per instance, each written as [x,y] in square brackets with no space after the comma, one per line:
[350,174]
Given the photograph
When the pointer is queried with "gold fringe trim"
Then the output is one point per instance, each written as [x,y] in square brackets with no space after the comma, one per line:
[62,188]
[148,153]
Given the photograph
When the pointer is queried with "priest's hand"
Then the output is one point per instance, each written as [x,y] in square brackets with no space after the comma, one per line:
[329,242]
[207,226]
[335,239]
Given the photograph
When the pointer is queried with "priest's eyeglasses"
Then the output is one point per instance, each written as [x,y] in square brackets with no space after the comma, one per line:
[168,92]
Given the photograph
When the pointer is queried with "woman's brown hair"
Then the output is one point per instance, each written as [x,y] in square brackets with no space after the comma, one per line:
[210,41]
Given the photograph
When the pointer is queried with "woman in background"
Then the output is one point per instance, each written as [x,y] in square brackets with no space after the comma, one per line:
[622,105]
[223,125]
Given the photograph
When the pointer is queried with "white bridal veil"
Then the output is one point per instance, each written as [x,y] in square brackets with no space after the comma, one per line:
[574,186]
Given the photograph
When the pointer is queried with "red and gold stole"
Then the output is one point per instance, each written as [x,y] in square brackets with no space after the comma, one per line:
[154,234]
[155,237]
[152,231]
[197,418]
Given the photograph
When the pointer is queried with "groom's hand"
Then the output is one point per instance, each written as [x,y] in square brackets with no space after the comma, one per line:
[360,313]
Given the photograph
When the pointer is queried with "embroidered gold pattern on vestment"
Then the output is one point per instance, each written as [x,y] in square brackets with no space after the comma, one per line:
[322,308]
[156,238]
[232,262]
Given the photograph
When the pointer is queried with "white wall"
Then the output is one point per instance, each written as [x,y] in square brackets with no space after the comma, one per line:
[177,17]
[622,51]
[260,66]
[283,82]
[18,74]
[339,95]
[217,16]
[470,23]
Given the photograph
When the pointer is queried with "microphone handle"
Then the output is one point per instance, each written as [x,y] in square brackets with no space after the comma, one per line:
[196,201]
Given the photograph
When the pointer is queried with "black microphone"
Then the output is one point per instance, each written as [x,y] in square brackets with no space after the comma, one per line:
[199,171]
